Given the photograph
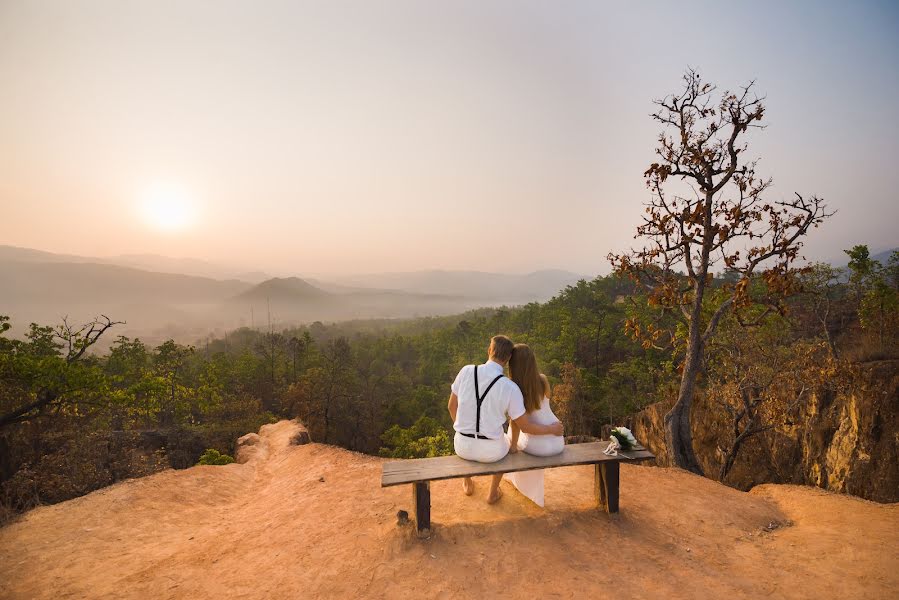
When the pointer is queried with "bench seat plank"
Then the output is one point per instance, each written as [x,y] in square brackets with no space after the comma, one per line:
[413,470]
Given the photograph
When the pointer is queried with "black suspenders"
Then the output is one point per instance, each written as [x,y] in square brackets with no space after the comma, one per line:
[480,399]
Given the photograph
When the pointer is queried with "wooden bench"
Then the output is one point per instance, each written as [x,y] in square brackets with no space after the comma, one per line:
[420,472]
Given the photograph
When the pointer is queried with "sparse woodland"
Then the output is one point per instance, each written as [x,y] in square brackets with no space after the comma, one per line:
[74,421]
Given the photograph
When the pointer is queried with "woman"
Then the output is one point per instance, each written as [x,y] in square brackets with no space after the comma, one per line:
[535,388]
[536,391]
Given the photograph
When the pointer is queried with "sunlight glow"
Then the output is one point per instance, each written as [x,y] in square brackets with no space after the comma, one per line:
[167,207]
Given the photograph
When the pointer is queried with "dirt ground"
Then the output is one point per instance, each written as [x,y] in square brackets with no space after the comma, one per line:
[313,522]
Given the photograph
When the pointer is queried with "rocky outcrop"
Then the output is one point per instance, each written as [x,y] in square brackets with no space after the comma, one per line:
[301,437]
[845,439]
[270,439]
[250,447]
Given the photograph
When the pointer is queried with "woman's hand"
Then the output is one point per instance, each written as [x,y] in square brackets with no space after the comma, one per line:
[513,449]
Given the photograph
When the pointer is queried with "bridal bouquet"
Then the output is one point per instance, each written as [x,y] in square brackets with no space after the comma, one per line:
[623,438]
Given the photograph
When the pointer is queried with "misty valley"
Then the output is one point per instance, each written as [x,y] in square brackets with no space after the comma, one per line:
[157,302]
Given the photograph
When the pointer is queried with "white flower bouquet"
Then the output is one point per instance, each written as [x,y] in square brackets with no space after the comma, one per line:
[623,438]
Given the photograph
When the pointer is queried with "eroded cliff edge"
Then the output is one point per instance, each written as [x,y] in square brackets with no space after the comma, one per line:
[845,438]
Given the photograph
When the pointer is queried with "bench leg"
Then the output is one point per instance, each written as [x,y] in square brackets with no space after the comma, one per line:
[421,498]
[605,486]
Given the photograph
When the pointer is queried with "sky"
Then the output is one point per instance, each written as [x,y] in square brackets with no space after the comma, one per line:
[333,137]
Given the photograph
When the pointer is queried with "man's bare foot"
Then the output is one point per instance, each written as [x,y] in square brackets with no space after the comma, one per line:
[495,496]
[468,486]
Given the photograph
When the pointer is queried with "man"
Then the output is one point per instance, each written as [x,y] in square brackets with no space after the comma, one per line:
[481,401]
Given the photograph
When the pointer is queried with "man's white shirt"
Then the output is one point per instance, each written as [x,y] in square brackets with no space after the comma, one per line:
[502,403]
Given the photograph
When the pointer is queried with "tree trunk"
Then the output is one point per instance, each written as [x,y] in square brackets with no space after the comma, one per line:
[729,460]
[678,433]
[831,344]
[827,335]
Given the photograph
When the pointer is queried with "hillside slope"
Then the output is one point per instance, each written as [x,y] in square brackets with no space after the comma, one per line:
[311,521]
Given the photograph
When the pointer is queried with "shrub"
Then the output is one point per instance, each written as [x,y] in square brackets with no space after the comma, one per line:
[425,439]
[214,457]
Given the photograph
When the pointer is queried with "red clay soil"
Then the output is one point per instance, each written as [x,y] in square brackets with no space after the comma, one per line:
[270,528]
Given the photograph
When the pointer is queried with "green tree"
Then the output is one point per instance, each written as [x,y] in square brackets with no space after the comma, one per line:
[879,308]
[326,395]
[426,438]
[50,371]
[170,368]
[861,268]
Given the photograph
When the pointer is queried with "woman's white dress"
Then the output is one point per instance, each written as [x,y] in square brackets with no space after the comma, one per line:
[530,483]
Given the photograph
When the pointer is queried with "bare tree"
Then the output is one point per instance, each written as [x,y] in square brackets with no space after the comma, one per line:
[717,215]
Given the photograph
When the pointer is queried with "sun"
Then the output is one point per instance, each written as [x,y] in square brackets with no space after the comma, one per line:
[167,207]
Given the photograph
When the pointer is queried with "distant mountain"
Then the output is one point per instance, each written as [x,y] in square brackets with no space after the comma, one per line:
[43,287]
[15,253]
[282,290]
[145,262]
[490,287]
[335,288]
[185,266]
[153,304]
[292,299]
[85,283]
[252,276]
[884,257]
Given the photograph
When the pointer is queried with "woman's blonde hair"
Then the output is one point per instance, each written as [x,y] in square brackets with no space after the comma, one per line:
[524,372]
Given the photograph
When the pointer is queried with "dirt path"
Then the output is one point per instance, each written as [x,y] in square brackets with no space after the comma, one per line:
[271,528]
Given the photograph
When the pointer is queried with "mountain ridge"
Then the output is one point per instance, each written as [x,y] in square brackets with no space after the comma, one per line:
[282,288]
[42,287]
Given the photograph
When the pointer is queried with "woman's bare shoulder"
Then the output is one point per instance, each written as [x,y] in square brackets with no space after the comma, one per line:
[547,389]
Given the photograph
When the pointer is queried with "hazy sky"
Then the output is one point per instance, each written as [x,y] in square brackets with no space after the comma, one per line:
[342,137]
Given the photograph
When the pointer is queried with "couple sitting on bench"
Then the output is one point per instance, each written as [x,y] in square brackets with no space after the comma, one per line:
[483,399]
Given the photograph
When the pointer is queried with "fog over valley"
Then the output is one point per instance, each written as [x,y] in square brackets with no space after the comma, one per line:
[187,299]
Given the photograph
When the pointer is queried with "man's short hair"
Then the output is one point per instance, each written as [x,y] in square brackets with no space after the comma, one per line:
[500,348]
